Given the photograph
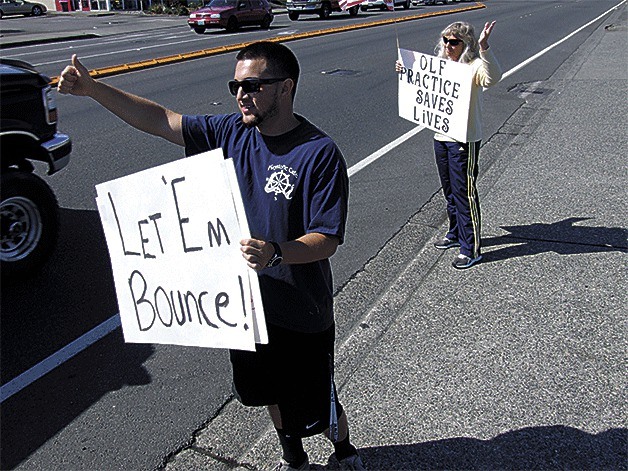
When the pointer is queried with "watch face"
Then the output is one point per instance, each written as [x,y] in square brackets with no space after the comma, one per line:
[276,260]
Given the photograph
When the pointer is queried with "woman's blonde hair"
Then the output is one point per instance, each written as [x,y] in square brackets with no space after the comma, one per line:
[465,32]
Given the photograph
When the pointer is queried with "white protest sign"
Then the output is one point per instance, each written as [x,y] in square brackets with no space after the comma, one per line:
[435,93]
[173,235]
[259,321]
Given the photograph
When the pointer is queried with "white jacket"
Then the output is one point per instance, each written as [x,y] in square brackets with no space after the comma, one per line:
[486,72]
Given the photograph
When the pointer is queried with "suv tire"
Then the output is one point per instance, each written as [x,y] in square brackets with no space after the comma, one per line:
[325,11]
[294,16]
[29,215]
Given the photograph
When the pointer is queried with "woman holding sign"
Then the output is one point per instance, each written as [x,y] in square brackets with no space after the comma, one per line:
[457,162]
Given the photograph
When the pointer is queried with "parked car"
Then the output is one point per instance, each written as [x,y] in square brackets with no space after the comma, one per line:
[322,8]
[21,7]
[231,14]
[381,4]
[29,213]
[434,2]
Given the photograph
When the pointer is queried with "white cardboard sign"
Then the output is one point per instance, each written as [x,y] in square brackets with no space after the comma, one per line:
[173,234]
[435,93]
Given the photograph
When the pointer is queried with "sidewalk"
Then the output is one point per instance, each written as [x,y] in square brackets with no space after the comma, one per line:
[518,362]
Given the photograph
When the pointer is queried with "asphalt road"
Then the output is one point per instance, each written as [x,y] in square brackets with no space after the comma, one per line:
[124,406]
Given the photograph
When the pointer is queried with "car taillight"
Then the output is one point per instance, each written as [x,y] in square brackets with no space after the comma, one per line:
[50,104]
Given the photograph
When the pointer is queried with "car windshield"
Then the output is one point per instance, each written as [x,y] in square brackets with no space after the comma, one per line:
[221,3]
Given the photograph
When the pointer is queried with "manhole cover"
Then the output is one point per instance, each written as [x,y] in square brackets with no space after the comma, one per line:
[529,88]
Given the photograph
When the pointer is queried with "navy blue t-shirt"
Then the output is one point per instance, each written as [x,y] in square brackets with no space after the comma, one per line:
[293,184]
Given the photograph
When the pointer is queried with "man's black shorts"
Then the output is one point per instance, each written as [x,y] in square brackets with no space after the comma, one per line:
[294,371]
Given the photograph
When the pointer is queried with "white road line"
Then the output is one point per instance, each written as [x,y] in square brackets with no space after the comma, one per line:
[552,46]
[73,45]
[122,51]
[33,49]
[384,150]
[56,359]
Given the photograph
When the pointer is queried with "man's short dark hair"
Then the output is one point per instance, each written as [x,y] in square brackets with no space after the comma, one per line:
[280,61]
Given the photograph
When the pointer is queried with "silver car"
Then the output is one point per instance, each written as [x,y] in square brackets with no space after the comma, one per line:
[21,7]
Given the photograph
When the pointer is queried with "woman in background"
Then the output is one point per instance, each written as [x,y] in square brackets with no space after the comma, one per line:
[457,162]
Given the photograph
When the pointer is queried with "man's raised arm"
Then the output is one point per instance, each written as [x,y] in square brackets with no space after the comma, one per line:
[140,113]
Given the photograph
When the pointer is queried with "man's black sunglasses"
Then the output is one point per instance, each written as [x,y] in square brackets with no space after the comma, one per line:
[453,42]
[250,85]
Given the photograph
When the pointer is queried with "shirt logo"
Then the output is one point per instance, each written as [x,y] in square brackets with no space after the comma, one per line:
[279,181]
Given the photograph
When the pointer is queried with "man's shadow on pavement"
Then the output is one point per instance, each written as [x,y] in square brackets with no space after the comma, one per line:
[562,237]
[551,447]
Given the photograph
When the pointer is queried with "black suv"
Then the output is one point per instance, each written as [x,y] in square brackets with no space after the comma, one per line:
[28,132]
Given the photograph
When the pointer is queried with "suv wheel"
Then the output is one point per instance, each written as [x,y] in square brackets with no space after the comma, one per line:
[294,16]
[353,11]
[325,11]
[406,6]
[29,224]
[199,29]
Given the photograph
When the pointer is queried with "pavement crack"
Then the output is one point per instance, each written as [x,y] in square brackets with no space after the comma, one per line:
[229,462]
[189,444]
[396,234]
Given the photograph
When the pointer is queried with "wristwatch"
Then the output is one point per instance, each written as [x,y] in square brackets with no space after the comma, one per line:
[276,259]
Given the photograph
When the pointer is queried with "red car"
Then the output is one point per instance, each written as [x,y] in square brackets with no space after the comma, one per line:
[231,14]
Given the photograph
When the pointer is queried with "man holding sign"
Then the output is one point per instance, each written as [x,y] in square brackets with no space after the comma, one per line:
[456,150]
[294,185]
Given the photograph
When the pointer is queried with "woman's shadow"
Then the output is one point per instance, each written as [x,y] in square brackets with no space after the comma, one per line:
[550,447]
[564,237]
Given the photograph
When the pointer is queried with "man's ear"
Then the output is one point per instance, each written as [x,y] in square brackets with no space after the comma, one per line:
[287,87]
